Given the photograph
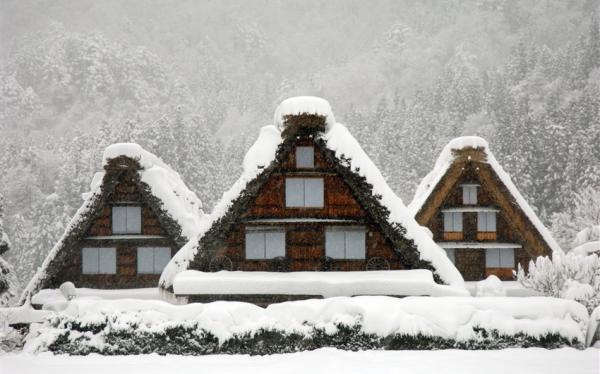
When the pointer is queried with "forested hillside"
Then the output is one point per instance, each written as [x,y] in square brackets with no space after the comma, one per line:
[194,81]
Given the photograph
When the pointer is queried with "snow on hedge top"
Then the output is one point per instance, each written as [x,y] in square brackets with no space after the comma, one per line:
[338,139]
[444,162]
[182,204]
[303,104]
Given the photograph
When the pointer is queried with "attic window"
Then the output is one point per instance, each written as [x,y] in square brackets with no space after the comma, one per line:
[127,220]
[469,194]
[305,157]
[304,193]
[345,243]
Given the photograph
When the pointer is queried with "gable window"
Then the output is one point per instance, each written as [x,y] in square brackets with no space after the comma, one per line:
[453,226]
[486,225]
[152,260]
[305,157]
[304,192]
[264,243]
[500,258]
[127,220]
[451,253]
[469,194]
[99,260]
[348,243]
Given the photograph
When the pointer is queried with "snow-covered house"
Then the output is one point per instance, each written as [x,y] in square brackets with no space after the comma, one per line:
[476,213]
[309,200]
[136,216]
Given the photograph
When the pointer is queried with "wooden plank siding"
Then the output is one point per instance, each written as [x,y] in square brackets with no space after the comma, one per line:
[126,248]
[305,240]
[512,225]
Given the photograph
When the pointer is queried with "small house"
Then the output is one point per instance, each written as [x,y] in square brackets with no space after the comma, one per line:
[136,216]
[309,201]
[477,214]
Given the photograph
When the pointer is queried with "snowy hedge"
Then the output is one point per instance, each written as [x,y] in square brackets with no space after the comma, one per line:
[137,326]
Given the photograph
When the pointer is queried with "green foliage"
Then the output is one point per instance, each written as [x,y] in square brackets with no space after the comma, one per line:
[190,339]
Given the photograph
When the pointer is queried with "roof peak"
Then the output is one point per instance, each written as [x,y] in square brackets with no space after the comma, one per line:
[306,107]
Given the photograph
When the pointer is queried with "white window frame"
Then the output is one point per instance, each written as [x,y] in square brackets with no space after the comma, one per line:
[305,185]
[500,258]
[100,254]
[487,222]
[156,252]
[132,225]
[305,157]
[453,222]
[470,194]
[352,235]
[266,235]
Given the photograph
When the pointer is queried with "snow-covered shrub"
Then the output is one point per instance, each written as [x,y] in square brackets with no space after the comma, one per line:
[358,323]
[11,338]
[491,286]
[568,276]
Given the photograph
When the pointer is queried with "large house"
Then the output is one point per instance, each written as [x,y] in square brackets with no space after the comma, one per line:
[477,215]
[136,217]
[309,200]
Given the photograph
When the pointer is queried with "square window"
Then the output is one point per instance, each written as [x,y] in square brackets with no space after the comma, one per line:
[274,244]
[99,260]
[304,192]
[345,243]
[152,260]
[127,220]
[507,258]
[492,258]
[453,222]
[305,157]
[264,243]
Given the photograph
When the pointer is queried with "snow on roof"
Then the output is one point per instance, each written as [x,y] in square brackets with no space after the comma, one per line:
[418,282]
[444,162]
[303,104]
[338,139]
[182,204]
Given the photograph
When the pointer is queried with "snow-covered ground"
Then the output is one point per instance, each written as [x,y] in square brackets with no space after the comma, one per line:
[326,360]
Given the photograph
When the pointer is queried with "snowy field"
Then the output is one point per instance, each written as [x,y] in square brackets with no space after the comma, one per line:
[326,360]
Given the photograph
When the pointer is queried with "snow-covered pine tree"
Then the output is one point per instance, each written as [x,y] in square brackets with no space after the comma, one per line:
[8,279]
[584,211]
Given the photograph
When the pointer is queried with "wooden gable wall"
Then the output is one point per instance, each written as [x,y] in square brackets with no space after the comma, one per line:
[126,191]
[512,225]
[305,241]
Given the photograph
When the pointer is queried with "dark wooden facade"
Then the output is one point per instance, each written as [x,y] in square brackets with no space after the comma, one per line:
[121,186]
[513,227]
[305,240]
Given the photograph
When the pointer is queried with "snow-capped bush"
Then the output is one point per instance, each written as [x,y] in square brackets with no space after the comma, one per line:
[357,323]
[569,276]
[491,286]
